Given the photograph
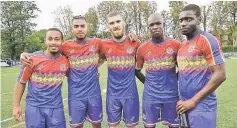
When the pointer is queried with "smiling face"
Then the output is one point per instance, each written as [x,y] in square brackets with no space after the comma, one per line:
[189,22]
[155,22]
[116,26]
[53,41]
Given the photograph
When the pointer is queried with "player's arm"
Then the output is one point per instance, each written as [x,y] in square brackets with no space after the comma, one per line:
[219,76]
[24,58]
[102,57]
[215,60]
[132,37]
[139,65]
[18,92]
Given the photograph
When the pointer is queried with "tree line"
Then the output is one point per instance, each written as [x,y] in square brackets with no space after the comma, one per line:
[18,32]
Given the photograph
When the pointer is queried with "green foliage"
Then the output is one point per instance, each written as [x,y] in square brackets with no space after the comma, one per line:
[229,48]
[92,22]
[35,41]
[16,24]
[63,20]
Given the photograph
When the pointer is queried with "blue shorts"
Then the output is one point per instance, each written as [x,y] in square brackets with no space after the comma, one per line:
[197,119]
[89,108]
[129,107]
[155,112]
[39,117]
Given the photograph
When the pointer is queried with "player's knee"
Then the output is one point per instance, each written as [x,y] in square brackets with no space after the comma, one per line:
[131,126]
[76,125]
[170,124]
[149,125]
[96,125]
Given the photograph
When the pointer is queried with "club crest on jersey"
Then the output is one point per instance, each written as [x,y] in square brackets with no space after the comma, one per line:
[191,48]
[72,51]
[169,50]
[92,48]
[40,67]
[63,67]
[109,51]
[130,50]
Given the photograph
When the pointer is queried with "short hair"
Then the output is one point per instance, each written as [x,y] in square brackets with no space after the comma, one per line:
[193,7]
[79,17]
[113,13]
[56,29]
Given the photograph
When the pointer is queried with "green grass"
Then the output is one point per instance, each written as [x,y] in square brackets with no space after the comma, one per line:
[226,93]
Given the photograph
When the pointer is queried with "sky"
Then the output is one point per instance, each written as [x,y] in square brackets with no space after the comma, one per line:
[45,18]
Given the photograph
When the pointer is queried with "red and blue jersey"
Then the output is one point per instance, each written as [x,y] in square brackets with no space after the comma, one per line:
[159,59]
[121,67]
[44,79]
[195,57]
[83,81]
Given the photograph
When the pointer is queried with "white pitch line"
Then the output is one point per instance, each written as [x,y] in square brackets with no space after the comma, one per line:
[5,120]
[6,93]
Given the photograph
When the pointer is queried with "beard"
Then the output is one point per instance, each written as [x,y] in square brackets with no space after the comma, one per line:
[118,35]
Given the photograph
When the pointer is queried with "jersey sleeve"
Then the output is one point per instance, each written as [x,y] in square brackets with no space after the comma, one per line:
[139,58]
[25,74]
[176,45]
[212,51]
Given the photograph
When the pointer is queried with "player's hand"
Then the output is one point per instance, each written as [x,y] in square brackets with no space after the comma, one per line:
[17,113]
[132,37]
[25,61]
[183,106]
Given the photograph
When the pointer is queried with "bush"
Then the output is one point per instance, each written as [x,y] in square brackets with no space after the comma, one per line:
[229,48]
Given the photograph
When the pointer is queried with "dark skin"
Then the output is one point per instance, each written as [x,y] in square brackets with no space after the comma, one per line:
[190,27]
[156,29]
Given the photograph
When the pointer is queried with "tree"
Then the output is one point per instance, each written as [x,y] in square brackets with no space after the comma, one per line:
[16,24]
[63,20]
[175,9]
[167,21]
[36,41]
[92,21]
[205,11]
[103,9]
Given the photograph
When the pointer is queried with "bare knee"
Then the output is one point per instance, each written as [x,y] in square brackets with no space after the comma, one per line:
[76,125]
[131,126]
[97,125]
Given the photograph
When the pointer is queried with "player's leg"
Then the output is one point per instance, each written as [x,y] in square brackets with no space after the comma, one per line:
[150,114]
[169,115]
[95,111]
[130,111]
[34,118]
[114,112]
[55,118]
[199,119]
[77,112]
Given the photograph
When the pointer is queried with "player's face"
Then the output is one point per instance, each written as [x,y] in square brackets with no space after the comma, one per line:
[79,28]
[188,22]
[53,41]
[156,26]
[116,26]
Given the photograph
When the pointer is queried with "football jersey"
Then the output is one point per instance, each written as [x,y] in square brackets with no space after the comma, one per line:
[83,81]
[121,67]
[159,60]
[195,57]
[44,79]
